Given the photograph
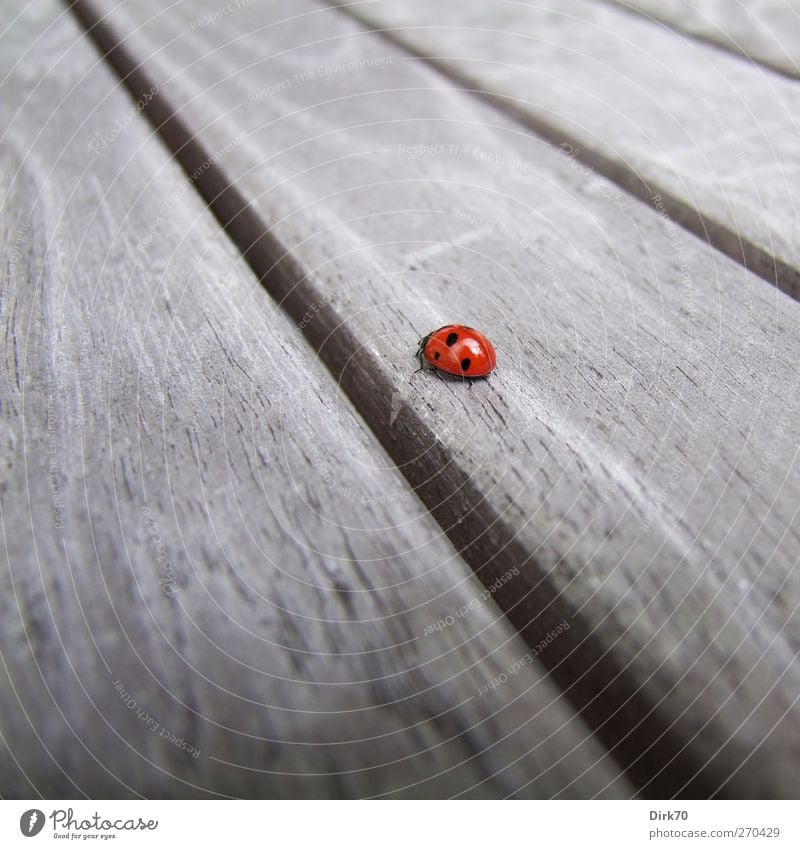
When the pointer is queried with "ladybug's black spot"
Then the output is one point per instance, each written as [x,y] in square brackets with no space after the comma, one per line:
[452,338]
[465,364]
[436,355]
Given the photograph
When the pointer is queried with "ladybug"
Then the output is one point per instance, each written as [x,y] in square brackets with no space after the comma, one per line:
[459,350]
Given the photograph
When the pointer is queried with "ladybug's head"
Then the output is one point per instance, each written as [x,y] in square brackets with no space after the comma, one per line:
[421,350]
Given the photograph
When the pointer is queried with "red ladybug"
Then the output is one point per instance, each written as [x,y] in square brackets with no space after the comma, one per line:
[459,350]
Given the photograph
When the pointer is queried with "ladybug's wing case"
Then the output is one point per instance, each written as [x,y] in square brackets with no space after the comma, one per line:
[440,355]
[458,350]
[422,352]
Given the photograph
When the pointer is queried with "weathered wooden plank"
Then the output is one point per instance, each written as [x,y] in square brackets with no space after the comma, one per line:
[766,31]
[706,136]
[214,582]
[635,453]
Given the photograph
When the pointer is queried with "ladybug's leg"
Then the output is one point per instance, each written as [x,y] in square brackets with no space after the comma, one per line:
[421,355]
[421,361]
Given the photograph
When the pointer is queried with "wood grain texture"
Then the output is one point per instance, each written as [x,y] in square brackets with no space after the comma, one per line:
[635,453]
[214,582]
[765,31]
[712,137]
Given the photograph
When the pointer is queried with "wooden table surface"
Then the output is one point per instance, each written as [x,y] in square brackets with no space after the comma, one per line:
[247,551]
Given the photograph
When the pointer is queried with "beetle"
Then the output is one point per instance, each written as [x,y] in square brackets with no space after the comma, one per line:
[458,350]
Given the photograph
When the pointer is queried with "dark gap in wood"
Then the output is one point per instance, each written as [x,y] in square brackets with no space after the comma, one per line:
[705,40]
[649,748]
[754,258]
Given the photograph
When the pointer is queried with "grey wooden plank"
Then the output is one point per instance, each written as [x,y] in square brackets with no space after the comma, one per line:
[680,125]
[635,453]
[766,31]
[214,582]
